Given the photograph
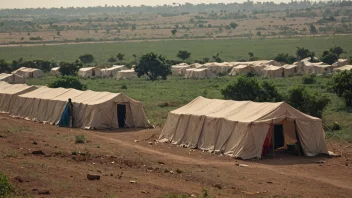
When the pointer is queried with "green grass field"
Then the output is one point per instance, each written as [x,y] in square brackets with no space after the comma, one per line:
[160,97]
[230,50]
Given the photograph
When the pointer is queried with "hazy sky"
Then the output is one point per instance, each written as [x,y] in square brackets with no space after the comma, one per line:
[85,3]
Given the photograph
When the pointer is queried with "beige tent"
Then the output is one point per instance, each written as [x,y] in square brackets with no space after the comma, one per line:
[126,74]
[239,128]
[340,63]
[241,70]
[9,92]
[112,71]
[197,65]
[12,78]
[273,71]
[180,69]
[92,110]
[199,73]
[219,68]
[25,72]
[290,70]
[89,72]
[344,68]
[317,68]
[55,71]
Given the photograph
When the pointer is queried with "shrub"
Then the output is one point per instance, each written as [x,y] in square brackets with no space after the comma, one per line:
[183,54]
[302,53]
[5,186]
[37,38]
[4,67]
[67,82]
[337,50]
[80,139]
[307,102]
[86,58]
[69,69]
[217,58]
[153,66]
[124,87]
[329,58]
[310,79]
[341,85]
[285,58]
[233,25]
[112,60]
[120,56]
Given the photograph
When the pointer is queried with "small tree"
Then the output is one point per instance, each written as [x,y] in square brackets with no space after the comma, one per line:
[233,25]
[86,58]
[174,31]
[313,29]
[183,54]
[337,50]
[341,85]
[112,60]
[120,56]
[67,82]
[69,69]
[310,79]
[302,53]
[153,66]
[134,56]
[217,58]
[285,58]
[134,27]
[206,60]
[329,58]
[4,67]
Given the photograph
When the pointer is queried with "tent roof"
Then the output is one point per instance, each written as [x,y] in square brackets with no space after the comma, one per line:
[127,71]
[86,68]
[346,67]
[273,68]
[240,111]
[55,69]
[4,75]
[25,69]
[62,94]
[241,66]
[7,88]
[289,66]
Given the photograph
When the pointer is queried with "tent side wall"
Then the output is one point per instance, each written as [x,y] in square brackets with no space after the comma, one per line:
[8,100]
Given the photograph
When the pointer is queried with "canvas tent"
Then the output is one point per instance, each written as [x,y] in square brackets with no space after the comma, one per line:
[180,69]
[340,63]
[219,68]
[89,72]
[9,93]
[344,68]
[112,71]
[25,72]
[92,110]
[197,65]
[199,73]
[239,128]
[273,71]
[291,70]
[55,71]
[12,78]
[241,70]
[317,68]
[126,74]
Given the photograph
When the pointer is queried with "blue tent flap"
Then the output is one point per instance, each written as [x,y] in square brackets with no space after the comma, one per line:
[65,117]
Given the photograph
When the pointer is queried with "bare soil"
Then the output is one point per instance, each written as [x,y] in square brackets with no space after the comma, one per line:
[132,164]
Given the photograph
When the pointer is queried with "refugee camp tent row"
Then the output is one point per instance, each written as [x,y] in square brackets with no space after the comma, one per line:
[92,110]
[290,70]
[89,72]
[55,71]
[343,68]
[112,71]
[180,69]
[273,71]
[25,72]
[12,78]
[9,93]
[126,74]
[340,63]
[242,129]
[199,73]
[219,68]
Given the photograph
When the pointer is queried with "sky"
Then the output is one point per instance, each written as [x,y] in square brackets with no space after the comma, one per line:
[86,3]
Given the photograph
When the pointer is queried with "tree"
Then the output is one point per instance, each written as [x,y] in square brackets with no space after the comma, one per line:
[337,50]
[329,58]
[4,67]
[153,66]
[310,79]
[134,27]
[183,54]
[233,25]
[86,58]
[217,58]
[174,31]
[120,56]
[285,58]
[67,82]
[313,29]
[341,85]
[259,33]
[206,60]
[112,60]
[69,69]
[134,56]
[302,53]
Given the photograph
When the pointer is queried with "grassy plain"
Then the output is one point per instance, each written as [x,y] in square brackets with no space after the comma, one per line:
[160,97]
[230,50]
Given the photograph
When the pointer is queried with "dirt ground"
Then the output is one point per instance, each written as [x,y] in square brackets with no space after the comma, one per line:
[132,164]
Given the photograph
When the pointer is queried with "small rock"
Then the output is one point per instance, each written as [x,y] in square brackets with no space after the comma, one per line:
[18,179]
[136,141]
[35,143]
[44,192]
[161,163]
[38,152]
[269,182]
[172,172]
[320,162]
[218,186]
[34,189]
[132,181]
[144,192]
[178,171]
[150,169]
[150,143]
[93,177]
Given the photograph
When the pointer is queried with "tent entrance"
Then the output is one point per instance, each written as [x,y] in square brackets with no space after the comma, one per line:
[93,72]
[121,115]
[279,139]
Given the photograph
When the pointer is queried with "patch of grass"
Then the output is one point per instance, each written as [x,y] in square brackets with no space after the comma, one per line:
[11,154]
[5,187]
[80,139]
[204,195]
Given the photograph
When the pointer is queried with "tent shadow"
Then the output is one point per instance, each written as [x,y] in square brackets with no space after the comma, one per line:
[123,130]
[282,158]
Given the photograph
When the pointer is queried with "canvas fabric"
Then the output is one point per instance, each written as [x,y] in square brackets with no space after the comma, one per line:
[87,72]
[112,72]
[25,72]
[12,78]
[126,74]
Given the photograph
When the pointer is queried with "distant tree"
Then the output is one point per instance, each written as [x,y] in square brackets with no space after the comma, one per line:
[120,56]
[58,33]
[259,33]
[251,55]
[4,67]
[134,56]
[341,85]
[337,50]
[153,66]
[302,53]
[70,69]
[285,58]
[174,31]
[217,58]
[233,25]
[86,58]
[313,29]
[112,60]
[183,54]
[67,82]
[206,60]
[134,27]
[329,58]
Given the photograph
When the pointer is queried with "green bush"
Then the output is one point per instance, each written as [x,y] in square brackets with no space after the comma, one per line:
[310,79]
[67,82]
[80,139]
[153,66]
[86,58]
[70,69]
[285,58]
[307,102]
[124,87]
[183,55]
[329,58]
[4,67]
[341,84]
[5,186]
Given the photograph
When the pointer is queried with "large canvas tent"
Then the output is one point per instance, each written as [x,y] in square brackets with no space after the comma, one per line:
[290,70]
[89,72]
[340,63]
[199,73]
[92,110]
[112,71]
[12,78]
[239,128]
[126,74]
[219,68]
[55,71]
[241,69]
[9,93]
[343,68]
[273,71]
[25,72]
[180,69]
